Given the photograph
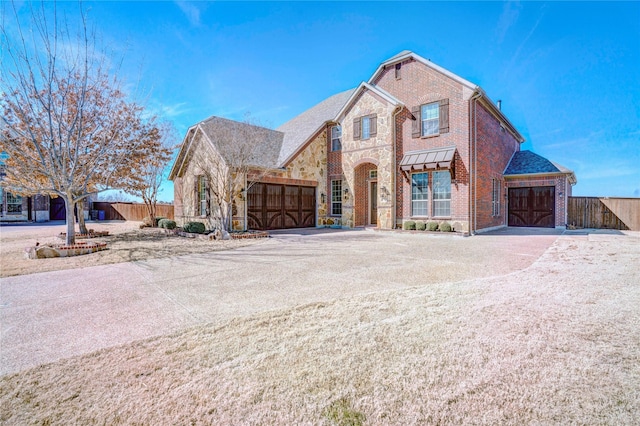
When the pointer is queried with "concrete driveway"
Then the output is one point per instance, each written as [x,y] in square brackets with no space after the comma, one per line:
[54,315]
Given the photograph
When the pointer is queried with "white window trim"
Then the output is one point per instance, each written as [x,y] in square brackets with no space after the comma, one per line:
[495,197]
[338,138]
[436,119]
[424,201]
[440,200]
[336,196]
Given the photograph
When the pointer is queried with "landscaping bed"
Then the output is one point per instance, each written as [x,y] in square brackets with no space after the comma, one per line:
[62,250]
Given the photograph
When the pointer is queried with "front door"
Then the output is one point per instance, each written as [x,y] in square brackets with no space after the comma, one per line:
[373,203]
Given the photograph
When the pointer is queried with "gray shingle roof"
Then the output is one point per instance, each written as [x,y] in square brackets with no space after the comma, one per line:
[299,129]
[228,136]
[526,162]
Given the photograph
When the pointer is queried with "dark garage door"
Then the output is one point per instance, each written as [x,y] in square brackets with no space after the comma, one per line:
[532,206]
[57,209]
[272,206]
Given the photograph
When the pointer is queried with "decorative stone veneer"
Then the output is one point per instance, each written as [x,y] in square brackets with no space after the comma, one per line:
[311,165]
[376,150]
[61,250]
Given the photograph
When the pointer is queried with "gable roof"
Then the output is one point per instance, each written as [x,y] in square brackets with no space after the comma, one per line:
[223,135]
[366,86]
[299,129]
[407,54]
[528,163]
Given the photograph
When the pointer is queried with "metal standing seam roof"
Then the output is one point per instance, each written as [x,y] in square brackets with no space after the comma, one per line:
[428,159]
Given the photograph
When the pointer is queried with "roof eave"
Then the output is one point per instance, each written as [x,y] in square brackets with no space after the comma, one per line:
[362,86]
[500,115]
[571,175]
[181,157]
[302,146]
[424,61]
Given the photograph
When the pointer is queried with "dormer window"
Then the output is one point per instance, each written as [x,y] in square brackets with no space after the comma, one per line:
[398,70]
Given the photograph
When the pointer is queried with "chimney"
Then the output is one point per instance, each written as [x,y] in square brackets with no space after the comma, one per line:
[499,102]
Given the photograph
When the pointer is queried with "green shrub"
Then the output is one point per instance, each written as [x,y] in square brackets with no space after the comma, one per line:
[158,219]
[445,227]
[409,225]
[432,226]
[167,224]
[420,225]
[194,227]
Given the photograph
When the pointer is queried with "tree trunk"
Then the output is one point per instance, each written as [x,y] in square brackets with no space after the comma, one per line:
[71,226]
[80,212]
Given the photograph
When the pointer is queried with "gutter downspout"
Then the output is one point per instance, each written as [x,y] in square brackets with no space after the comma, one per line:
[246,204]
[395,171]
[474,163]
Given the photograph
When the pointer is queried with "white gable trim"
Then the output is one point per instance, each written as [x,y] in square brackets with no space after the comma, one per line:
[426,62]
[366,86]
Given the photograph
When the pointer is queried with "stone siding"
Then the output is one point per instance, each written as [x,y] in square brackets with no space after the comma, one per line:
[376,150]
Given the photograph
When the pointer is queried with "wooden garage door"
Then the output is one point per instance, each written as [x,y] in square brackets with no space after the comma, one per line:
[272,206]
[57,209]
[532,206]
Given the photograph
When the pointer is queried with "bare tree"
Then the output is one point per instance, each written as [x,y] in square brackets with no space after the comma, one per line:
[238,155]
[145,182]
[69,130]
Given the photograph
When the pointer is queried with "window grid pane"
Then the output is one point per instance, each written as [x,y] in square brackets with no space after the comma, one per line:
[365,127]
[336,197]
[430,119]
[442,193]
[202,195]
[14,204]
[419,194]
[496,197]
[336,138]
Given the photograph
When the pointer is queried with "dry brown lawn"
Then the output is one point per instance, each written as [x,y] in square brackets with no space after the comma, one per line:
[555,343]
[126,243]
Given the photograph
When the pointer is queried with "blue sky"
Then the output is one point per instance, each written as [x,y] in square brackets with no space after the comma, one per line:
[568,73]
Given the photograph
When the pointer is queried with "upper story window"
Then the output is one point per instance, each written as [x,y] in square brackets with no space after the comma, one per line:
[365,127]
[398,71]
[336,138]
[430,119]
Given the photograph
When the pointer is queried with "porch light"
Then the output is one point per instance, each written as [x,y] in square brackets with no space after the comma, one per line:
[323,198]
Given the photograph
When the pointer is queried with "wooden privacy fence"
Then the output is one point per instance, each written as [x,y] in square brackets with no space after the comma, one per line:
[604,213]
[128,211]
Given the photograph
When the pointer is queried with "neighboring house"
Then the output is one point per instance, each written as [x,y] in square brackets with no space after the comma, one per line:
[15,208]
[414,142]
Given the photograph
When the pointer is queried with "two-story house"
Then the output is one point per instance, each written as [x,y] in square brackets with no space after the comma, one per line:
[414,142]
